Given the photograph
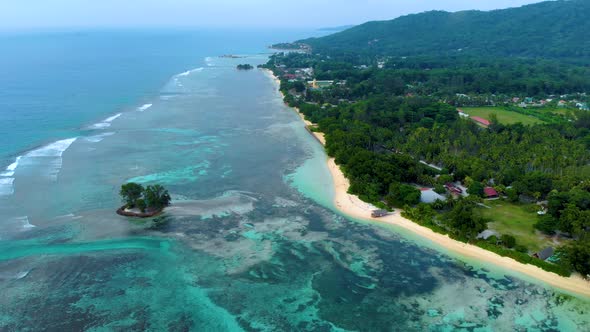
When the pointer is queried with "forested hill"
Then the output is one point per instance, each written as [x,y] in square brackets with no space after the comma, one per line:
[552,29]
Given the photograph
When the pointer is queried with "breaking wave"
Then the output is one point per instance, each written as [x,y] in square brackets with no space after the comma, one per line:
[55,149]
[144,107]
[106,122]
[11,168]
[188,72]
[49,155]
[17,224]
[13,276]
[98,138]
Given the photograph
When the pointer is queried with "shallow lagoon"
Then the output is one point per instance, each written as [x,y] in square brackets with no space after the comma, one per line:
[252,241]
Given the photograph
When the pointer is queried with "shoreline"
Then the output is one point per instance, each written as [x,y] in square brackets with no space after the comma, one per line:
[352,206]
[122,211]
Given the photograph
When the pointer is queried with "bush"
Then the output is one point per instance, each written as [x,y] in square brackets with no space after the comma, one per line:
[439,189]
[492,240]
[476,188]
[547,224]
[512,194]
[521,248]
[508,241]
[401,194]
[439,205]
[526,259]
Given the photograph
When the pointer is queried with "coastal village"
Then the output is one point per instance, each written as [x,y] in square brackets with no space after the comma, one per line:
[482,110]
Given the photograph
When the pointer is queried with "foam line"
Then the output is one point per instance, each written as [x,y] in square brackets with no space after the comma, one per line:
[11,168]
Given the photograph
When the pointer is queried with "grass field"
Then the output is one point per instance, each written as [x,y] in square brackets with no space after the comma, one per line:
[504,116]
[516,220]
[560,111]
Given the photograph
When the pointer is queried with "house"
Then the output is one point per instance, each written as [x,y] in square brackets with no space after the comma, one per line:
[453,189]
[428,195]
[462,114]
[490,192]
[544,254]
[481,121]
[379,213]
[315,84]
[307,71]
[562,103]
[487,234]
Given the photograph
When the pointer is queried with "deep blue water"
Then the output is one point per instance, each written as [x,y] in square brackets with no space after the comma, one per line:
[54,84]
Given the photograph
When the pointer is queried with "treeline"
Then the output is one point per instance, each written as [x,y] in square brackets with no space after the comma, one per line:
[446,77]
[480,75]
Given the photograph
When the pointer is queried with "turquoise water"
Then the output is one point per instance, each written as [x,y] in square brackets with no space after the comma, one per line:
[251,242]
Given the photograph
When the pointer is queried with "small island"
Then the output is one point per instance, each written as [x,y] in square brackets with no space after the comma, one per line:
[143,202]
[245,67]
[231,56]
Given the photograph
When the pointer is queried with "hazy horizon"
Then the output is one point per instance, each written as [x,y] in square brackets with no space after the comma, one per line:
[72,14]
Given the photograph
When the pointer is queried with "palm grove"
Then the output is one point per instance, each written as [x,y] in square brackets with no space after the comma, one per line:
[152,198]
[384,114]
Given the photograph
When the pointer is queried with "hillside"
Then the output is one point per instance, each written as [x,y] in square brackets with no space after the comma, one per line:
[553,29]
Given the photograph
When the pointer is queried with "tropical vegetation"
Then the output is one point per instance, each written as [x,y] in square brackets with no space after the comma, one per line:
[389,114]
[149,199]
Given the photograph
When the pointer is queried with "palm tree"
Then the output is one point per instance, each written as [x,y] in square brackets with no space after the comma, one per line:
[156,197]
[130,193]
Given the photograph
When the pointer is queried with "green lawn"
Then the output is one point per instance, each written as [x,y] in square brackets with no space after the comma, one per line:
[559,111]
[504,116]
[517,220]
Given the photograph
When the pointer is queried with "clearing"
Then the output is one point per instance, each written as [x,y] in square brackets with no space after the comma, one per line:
[517,220]
[504,116]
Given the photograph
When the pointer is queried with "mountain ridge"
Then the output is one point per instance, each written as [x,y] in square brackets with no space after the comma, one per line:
[550,29]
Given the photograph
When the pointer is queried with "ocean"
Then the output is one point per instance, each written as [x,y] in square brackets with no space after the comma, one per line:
[252,241]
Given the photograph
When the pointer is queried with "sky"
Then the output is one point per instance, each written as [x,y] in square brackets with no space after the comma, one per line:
[35,14]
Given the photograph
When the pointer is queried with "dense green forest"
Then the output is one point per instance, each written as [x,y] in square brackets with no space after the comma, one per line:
[552,29]
[447,76]
[390,107]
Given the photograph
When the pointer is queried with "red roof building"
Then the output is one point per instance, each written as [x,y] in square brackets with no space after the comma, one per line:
[481,121]
[453,189]
[490,192]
